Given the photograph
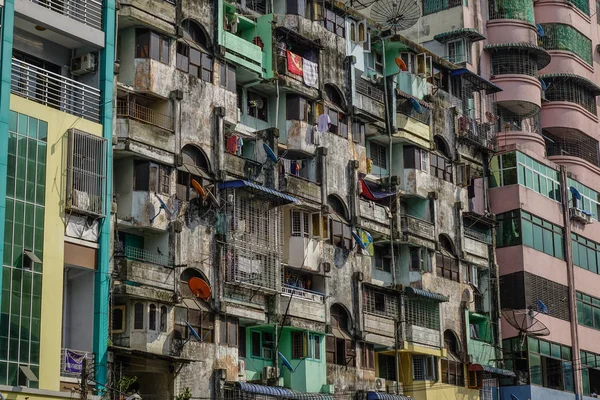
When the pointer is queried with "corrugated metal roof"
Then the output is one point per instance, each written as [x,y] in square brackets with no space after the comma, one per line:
[281,392]
[424,293]
[236,184]
[542,56]
[476,80]
[472,34]
[385,396]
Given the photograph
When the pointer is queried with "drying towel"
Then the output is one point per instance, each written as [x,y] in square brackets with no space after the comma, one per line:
[323,123]
[294,63]
[232,144]
[311,73]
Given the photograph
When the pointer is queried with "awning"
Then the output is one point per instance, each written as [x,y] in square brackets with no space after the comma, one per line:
[256,188]
[372,191]
[468,33]
[192,169]
[407,96]
[491,370]
[424,293]
[589,85]
[478,82]
[385,396]
[340,334]
[541,55]
[280,392]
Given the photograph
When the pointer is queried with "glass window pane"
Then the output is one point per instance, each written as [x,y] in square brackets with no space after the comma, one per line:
[535,366]
[538,243]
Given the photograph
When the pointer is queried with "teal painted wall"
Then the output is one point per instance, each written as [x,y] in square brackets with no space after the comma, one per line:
[102,279]
[482,350]
[309,374]
[418,208]
[8,12]
[255,364]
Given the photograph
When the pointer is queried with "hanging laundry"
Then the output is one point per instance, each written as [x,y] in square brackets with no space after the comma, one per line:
[240,143]
[311,73]
[294,63]
[323,122]
[369,165]
[234,23]
[295,168]
[232,144]
[316,136]
[281,48]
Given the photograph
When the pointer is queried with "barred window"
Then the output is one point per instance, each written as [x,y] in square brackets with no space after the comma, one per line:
[380,303]
[425,314]
[378,153]
[424,368]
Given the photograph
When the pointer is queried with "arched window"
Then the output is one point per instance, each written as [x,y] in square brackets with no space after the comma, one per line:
[195,166]
[453,370]
[353,31]
[163,318]
[361,32]
[446,260]
[152,317]
[192,52]
[440,164]
[341,233]
[138,316]
[340,347]
[335,107]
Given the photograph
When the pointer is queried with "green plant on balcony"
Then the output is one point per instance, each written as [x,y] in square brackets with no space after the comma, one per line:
[123,384]
[186,394]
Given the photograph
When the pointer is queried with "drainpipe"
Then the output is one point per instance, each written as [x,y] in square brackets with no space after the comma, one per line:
[571,281]
[393,259]
[218,151]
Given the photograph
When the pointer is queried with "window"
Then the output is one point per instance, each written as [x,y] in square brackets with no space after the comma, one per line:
[440,167]
[118,319]
[375,62]
[446,261]
[586,254]
[330,19]
[138,316]
[415,158]
[195,62]
[380,303]
[340,351]
[452,373]
[241,341]
[419,259]
[517,168]
[316,340]
[229,331]
[590,199]
[339,124]
[299,344]
[257,106]
[566,37]
[164,313]
[550,365]
[262,344]
[302,224]
[590,372]
[382,259]
[433,6]
[151,177]
[387,367]
[358,132]
[341,234]
[152,45]
[367,354]
[298,108]
[227,77]
[152,317]
[203,322]
[425,314]
[588,310]
[459,50]
[424,368]
[378,153]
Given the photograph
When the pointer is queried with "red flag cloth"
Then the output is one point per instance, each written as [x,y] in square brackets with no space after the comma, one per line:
[294,63]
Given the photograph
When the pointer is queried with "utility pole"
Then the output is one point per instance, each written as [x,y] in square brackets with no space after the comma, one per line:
[83,384]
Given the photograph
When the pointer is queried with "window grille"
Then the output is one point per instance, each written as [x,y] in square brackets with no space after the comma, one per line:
[380,303]
[566,37]
[423,313]
[86,172]
[378,153]
[514,62]
[512,9]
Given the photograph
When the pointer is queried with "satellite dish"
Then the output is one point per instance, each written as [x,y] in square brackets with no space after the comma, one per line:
[199,288]
[198,187]
[193,332]
[401,64]
[540,30]
[525,322]
[358,240]
[285,362]
[544,85]
[415,105]
[270,153]
[542,307]
[396,14]
[163,206]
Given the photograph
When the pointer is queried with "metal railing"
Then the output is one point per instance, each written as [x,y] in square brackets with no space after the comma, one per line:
[302,294]
[485,237]
[368,89]
[416,226]
[144,114]
[88,12]
[54,90]
[71,362]
[134,253]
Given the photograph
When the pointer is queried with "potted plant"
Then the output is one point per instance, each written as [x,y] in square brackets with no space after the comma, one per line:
[186,394]
[123,384]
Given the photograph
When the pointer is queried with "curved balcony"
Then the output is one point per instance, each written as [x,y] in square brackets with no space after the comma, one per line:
[573,12]
[524,132]
[571,147]
[511,31]
[571,50]
[521,94]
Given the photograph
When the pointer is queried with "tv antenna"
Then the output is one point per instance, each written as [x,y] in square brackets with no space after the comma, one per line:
[525,321]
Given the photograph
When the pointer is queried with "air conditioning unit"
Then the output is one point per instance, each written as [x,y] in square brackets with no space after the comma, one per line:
[241,370]
[581,216]
[394,387]
[380,385]
[270,373]
[81,65]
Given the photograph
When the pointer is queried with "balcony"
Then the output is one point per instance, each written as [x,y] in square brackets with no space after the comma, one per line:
[55,91]
[413,126]
[292,81]
[303,304]
[422,336]
[521,94]
[243,52]
[566,143]
[138,127]
[132,110]
[475,249]
[71,362]
[301,187]
[374,217]
[146,13]
[145,256]
[143,209]
[245,168]
[369,98]
[379,329]
[300,136]
[88,12]
[416,231]
[477,134]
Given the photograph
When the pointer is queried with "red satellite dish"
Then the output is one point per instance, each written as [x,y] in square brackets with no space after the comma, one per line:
[401,64]
[199,288]
[196,185]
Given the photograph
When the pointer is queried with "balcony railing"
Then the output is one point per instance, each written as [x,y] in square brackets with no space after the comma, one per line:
[302,294]
[88,12]
[485,237]
[71,362]
[55,91]
[416,226]
[138,112]
[368,89]
[137,254]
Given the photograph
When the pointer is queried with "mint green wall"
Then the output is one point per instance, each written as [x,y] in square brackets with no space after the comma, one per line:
[417,207]
[310,375]
[254,365]
[264,29]
[482,351]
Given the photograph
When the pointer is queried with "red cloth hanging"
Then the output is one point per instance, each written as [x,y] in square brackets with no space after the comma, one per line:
[232,144]
[294,63]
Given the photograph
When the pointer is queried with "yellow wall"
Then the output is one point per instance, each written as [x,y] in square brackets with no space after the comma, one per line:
[52,278]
